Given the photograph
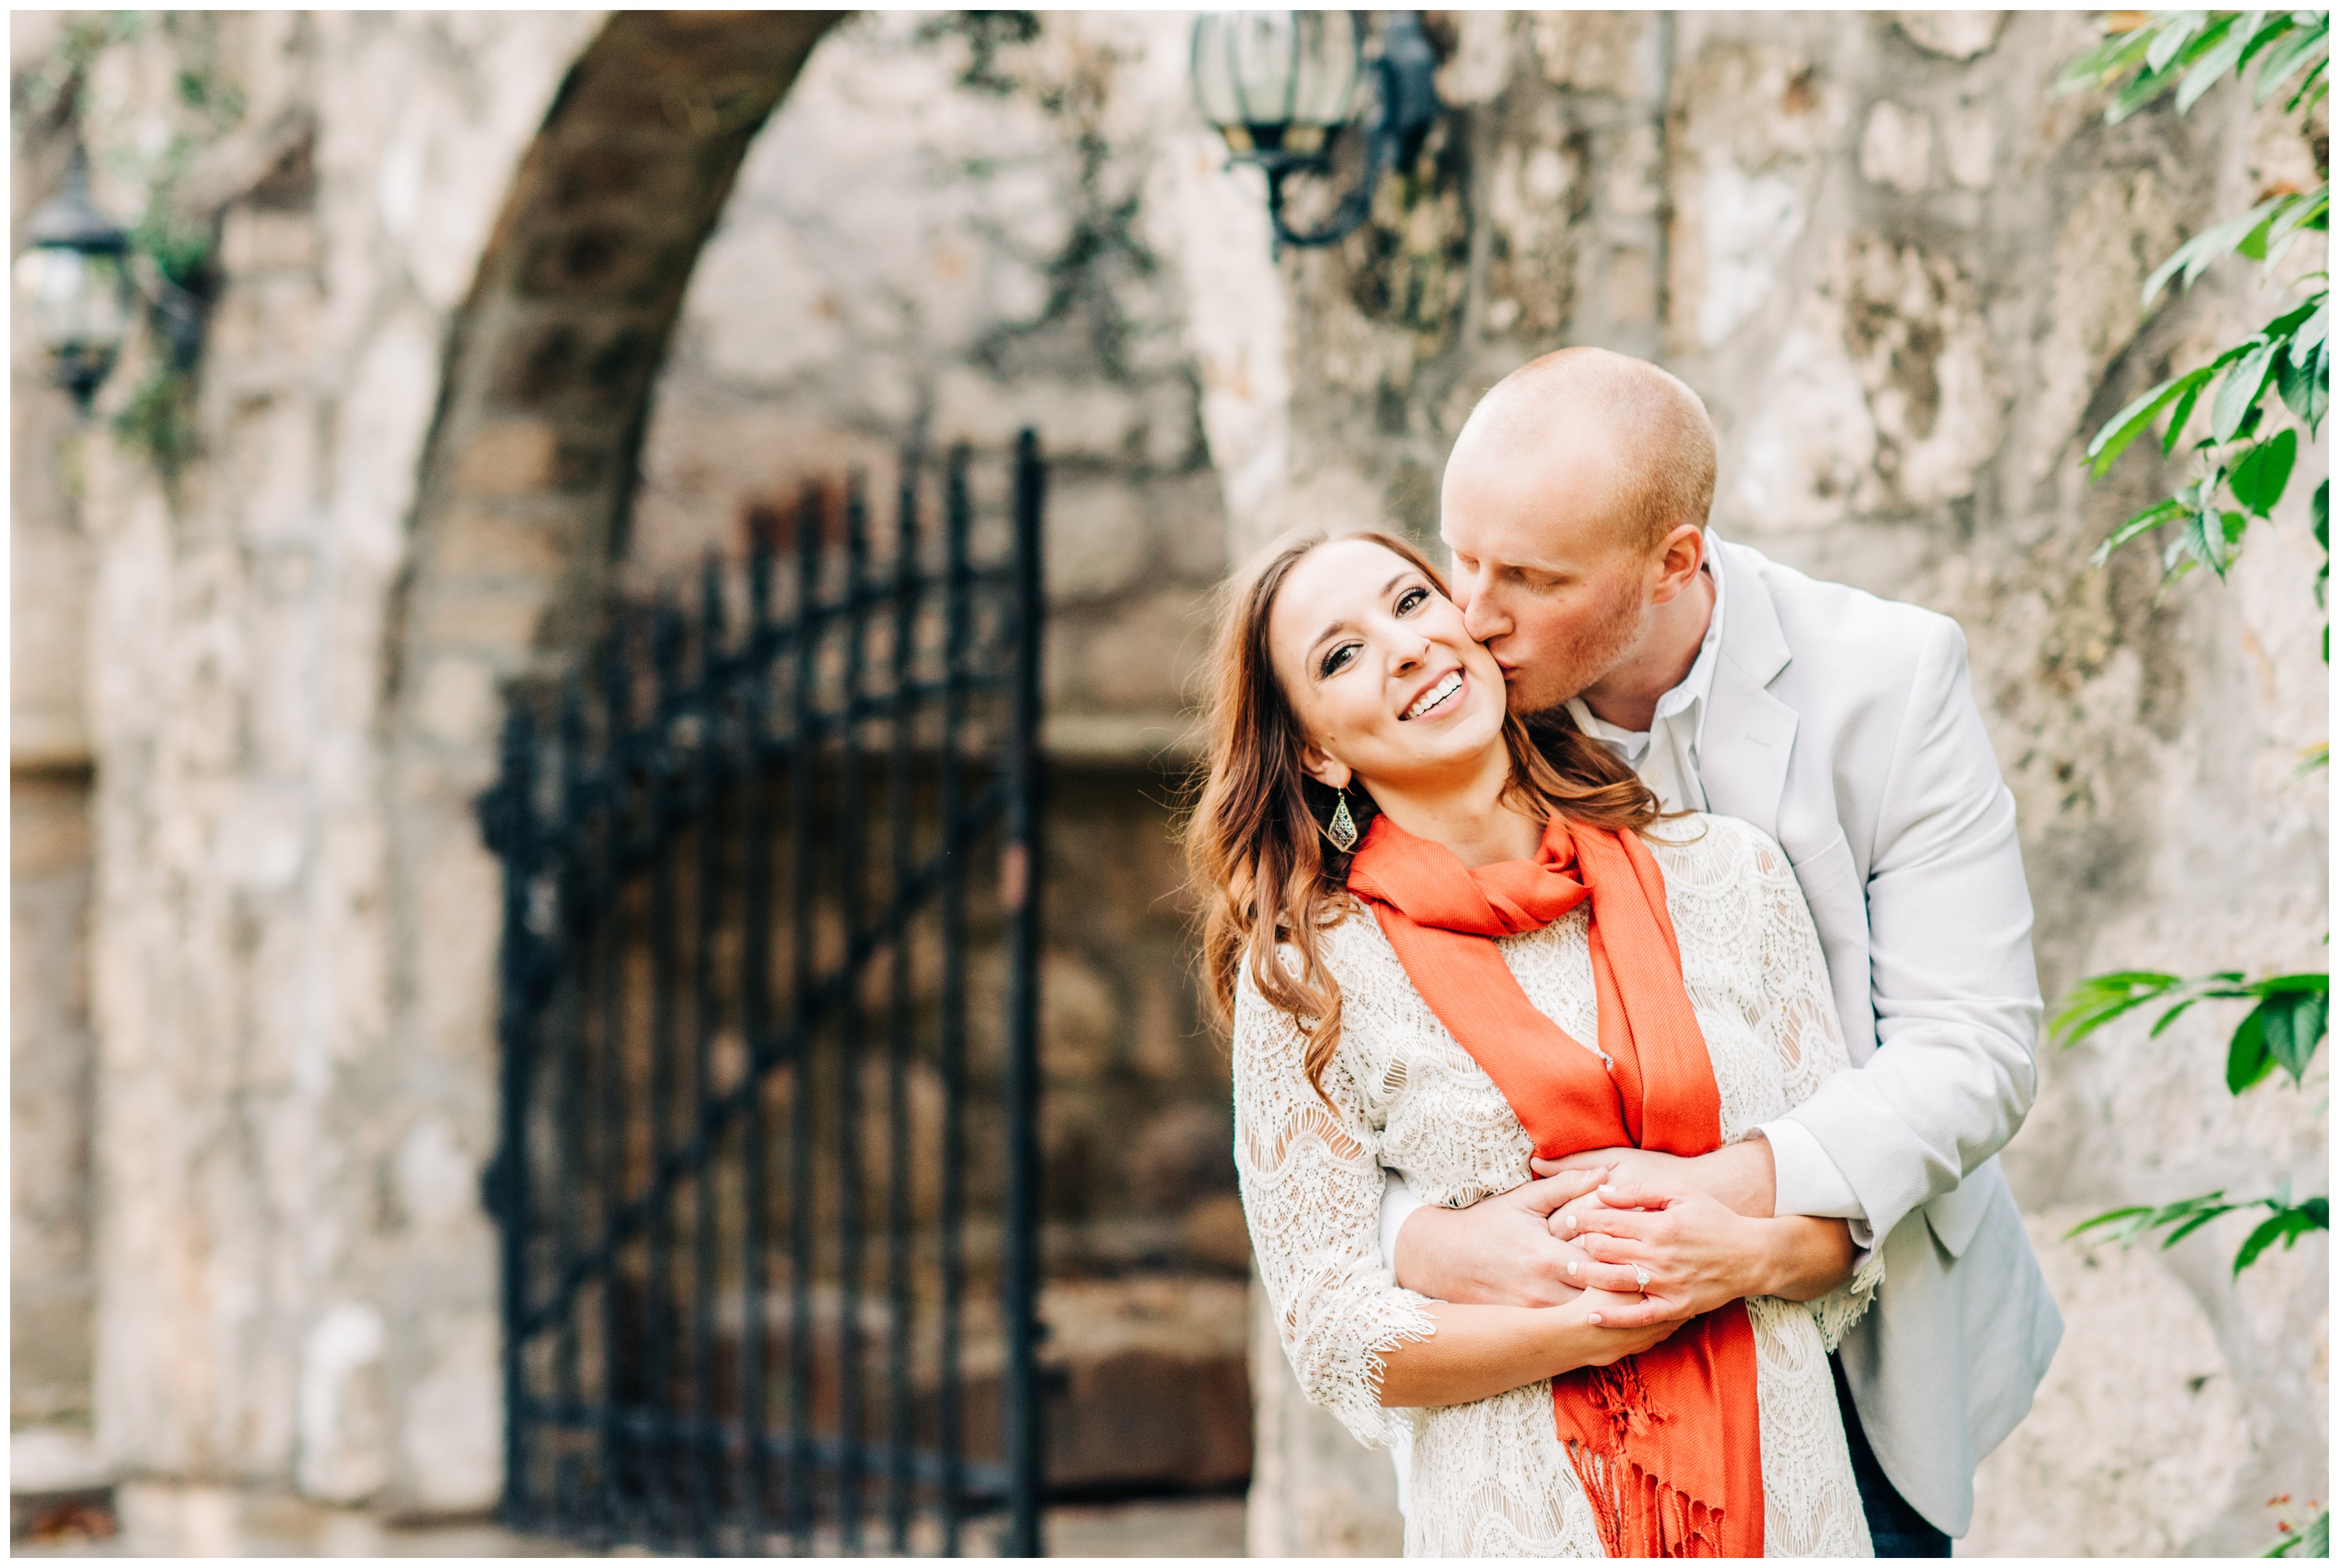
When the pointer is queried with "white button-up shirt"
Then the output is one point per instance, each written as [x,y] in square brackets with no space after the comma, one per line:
[1666,757]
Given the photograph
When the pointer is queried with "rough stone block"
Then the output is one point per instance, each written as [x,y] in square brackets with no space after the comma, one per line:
[507,457]
[498,621]
[1952,34]
[1594,51]
[1897,147]
[258,240]
[477,542]
[1097,539]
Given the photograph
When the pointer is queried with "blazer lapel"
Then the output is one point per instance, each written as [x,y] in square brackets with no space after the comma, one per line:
[1749,733]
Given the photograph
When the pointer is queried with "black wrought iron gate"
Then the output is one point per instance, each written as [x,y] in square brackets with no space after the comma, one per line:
[769,996]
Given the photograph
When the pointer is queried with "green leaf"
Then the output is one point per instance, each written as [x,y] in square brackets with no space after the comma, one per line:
[2306,213]
[2211,68]
[2143,523]
[2305,384]
[2294,1017]
[2177,29]
[2315,331]
[2259,480]
[2099,999]
[2239,392]
[2108,60]
[2307,84]
[2181,415]
[2205,247]
[2248,1060]
[2262,33]
[2286,57]
[2288,1224]
[2132,421]
[2126,1225]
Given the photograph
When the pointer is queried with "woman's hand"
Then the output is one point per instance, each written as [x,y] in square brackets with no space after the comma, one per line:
[1679,1253]
[1697,1253]
[1606,1338]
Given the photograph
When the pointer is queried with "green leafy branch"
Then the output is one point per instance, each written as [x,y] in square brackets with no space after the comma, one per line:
[2287,1223]
[2243,466]
[2287,1025]
[2191,52]
[2284,1029]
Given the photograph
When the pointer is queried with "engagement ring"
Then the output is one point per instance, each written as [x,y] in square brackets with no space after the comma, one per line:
[1641,1275]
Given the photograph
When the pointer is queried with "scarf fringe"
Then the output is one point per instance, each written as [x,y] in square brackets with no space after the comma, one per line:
[1639,1515]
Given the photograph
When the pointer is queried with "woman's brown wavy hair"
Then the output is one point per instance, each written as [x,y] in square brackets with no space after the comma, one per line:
[1255,845]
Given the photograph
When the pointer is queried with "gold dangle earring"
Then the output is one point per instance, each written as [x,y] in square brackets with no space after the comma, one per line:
[1342,830]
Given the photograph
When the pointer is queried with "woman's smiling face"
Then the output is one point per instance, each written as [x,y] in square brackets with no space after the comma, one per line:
[1384,679]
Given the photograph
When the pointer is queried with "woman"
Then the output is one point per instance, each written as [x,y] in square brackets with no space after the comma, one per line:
[1443,951]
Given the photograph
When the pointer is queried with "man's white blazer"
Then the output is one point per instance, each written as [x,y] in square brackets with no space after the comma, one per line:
[1844,726]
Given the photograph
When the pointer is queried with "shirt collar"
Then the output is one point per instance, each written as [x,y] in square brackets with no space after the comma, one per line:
[1691,691]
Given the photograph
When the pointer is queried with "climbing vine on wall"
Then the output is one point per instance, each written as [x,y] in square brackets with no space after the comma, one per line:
[151,151]
[2260,395]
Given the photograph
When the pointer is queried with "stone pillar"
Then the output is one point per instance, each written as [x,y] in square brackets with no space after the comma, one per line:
[295,1286]
[50,1048]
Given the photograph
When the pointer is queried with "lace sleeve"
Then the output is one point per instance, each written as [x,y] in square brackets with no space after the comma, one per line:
[1311,1188]
[1799,1022]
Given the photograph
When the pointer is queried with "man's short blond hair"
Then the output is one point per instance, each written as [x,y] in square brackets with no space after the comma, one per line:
[1657,429]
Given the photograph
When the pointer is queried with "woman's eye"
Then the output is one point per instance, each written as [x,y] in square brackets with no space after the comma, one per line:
[1411,600]
[1336,661]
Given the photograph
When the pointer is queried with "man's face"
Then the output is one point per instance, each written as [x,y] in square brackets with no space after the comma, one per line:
[1545,575]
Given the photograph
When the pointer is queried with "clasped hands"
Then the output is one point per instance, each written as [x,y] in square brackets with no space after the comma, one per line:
[1660,1238]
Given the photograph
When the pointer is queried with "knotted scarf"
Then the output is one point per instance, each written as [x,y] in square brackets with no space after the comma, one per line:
[1668,1442]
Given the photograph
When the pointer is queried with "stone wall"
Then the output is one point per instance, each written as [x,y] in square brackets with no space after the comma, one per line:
[1904,273]
[292,1273]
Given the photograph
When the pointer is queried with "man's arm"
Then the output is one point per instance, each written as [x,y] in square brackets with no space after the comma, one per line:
[1950,973]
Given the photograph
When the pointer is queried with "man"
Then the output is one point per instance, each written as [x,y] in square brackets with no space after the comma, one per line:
[1575,505]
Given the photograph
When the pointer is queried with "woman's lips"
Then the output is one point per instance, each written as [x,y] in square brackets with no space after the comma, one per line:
[1439,696]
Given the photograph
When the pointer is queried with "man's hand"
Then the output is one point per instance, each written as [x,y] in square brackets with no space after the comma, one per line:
[1500,1251]
[1739,1176]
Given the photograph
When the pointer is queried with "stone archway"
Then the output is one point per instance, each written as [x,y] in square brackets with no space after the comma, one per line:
[545,388]
[543,395]
[527,472]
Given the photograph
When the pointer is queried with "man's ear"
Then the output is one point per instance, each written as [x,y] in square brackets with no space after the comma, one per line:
[1678,558]
[1330,771]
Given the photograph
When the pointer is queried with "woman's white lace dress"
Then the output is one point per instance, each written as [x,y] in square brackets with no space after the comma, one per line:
[1491,1478]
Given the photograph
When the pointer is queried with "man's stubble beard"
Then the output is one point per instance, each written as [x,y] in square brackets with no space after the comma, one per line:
[1543,686]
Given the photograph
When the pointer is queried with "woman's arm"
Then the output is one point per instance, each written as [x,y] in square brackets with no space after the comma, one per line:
[1478,1351]
[1363,1348]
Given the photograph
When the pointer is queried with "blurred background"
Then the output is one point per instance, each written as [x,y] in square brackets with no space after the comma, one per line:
[457,340]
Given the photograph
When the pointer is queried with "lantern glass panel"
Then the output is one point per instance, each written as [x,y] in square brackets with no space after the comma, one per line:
[78,300]
[1253,68]
[1328,65]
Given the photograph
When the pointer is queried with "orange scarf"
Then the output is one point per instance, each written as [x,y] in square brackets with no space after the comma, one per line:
[1667,1442]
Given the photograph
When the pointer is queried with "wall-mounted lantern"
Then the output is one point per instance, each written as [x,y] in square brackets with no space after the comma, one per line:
[75,278]
[1280,84]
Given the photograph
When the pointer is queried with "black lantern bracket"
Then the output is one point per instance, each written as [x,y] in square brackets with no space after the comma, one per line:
[1404,104]
[83,332]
